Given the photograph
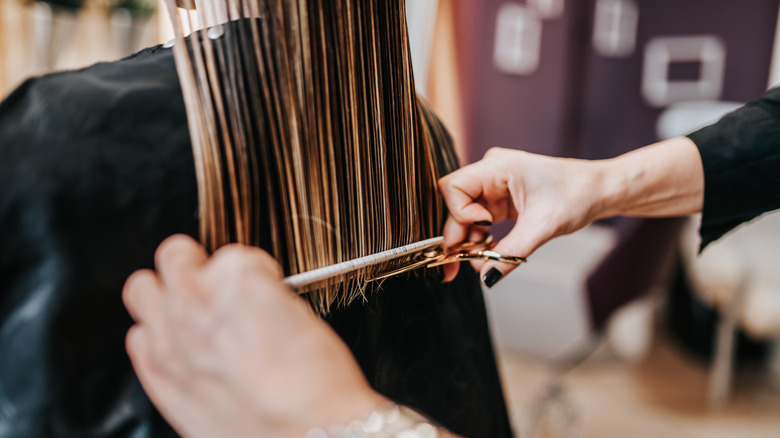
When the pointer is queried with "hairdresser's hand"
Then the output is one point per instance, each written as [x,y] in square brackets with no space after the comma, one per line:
[223,348]
[547,197]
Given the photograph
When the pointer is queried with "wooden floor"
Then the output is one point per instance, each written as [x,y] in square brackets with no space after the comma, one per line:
[662,396]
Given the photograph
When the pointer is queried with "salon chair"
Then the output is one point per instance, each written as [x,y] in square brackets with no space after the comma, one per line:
[737,277]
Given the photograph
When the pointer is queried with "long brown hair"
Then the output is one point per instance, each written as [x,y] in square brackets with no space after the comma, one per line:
[308,137]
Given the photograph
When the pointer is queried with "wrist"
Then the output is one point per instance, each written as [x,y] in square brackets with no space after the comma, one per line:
[610,183]
[388,420]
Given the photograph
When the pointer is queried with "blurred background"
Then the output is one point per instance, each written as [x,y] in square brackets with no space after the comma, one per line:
[43,36]
[622,329]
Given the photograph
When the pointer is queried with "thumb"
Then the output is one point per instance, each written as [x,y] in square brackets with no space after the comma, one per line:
[521,241]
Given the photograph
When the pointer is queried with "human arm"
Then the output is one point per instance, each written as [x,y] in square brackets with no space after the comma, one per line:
[223,348]
[549,197]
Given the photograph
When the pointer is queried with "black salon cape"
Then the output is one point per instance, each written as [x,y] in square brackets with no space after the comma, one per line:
[95,171]
[741,159]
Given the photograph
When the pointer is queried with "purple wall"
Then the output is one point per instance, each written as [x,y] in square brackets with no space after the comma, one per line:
[616,117]
[580,102]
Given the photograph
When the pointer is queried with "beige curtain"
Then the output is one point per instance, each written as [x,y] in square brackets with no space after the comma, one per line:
[444,80]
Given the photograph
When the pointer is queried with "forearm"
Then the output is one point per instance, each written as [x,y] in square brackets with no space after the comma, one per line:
[663,179]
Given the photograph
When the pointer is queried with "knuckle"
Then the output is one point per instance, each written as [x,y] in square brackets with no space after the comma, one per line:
[493,152]
[272,265]
[229,258]
[227,252]
[257,260]
[178,309]
[243,260]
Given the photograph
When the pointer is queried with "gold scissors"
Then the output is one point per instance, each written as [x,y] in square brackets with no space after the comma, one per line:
[480,250]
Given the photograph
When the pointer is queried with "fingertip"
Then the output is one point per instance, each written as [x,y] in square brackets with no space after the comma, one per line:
[515,244]
[130,283]
[450,272]
[138,287]
[181,248]
[491,275]
[443,182]
[178,241]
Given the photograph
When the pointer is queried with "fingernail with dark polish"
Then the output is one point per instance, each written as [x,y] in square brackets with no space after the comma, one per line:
[492,277]
[483,223]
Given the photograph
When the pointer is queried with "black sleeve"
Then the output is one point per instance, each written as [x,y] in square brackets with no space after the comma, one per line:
[741,158]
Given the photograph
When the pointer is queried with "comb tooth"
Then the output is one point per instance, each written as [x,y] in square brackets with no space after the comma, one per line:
[307,134]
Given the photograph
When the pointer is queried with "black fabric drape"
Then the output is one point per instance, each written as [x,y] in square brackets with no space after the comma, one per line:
[95,171]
